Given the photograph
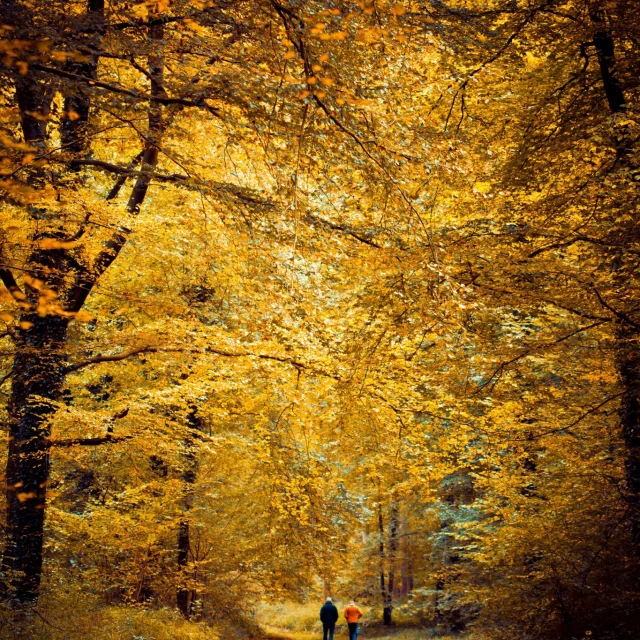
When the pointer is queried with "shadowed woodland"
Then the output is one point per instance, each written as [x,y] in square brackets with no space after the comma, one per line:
[308,298]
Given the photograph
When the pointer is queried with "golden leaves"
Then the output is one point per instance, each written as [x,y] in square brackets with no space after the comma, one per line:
[482,187]
[84,316]
[25,193]
[150,7]
[367,294]
[371,35]
[7,141]
[53,243]
[23,496]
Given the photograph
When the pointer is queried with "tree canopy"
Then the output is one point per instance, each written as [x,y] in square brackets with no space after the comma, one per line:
[321,297]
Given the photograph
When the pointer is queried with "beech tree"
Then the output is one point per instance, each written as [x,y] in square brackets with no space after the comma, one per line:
[286,282]
[62,76]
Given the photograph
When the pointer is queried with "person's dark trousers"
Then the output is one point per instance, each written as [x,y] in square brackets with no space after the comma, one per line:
[353,630]
[328,629]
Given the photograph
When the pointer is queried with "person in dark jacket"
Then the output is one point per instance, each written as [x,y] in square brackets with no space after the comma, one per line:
[329,617]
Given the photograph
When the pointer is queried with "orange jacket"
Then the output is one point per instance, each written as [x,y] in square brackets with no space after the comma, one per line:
[352,613]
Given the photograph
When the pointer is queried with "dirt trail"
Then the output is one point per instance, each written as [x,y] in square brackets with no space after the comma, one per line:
[379,633]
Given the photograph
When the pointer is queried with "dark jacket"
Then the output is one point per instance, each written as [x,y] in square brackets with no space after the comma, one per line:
[329,613]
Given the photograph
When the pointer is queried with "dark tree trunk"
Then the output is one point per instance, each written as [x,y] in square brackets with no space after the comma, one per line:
[406,578]
[566,619]
[437,605]
[393,549]
[603,42]
[627,333]
[38,375]
[34,103]
[629,371]
[185,596]
[75,119]
[383,586]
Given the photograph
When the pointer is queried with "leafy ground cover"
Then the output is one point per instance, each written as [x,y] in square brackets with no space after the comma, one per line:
[294,621]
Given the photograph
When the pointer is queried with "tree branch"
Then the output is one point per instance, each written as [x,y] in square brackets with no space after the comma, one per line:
[127,171]
[12,286]
[87,442]
[149,162]
[123,355]
[523,23]
[530,350]
[165,100]
[337,227]
[110,357]
[115,190]
[567,428]
[619,314]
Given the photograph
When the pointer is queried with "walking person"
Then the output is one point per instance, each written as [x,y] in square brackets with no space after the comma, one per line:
[329,617]
[352,614]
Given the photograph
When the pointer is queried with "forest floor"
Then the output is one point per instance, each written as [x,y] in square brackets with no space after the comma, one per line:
[74,619]
[367,632]
[290,621]
[395,634]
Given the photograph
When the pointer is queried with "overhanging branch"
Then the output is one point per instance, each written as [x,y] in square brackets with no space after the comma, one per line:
[88,442]
[345,229]
[109,357]
[123,355]
[127,171]
[165,100]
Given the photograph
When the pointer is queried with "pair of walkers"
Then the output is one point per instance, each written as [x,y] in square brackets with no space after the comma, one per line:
[329,617]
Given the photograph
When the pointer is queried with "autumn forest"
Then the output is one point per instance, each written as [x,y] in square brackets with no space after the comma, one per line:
[320,298]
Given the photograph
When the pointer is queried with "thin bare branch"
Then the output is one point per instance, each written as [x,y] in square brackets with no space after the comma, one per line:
[165,100]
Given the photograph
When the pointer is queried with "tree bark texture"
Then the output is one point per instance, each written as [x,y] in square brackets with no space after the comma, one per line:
[185,596]
[627,332]
[38,376]
[391,560]
[381,557]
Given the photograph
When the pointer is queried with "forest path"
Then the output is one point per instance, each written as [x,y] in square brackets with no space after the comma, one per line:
[379,633]
[288,620]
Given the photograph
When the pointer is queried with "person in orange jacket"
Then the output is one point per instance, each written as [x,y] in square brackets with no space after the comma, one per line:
[352,614]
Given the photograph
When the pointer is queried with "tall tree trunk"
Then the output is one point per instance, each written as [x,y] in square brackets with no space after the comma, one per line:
[437,599]
[38,376]
[627,333]
[381,557]
[185,596]
[605,49]
[75,118]
[393,549]
[406,577]
[629,371]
